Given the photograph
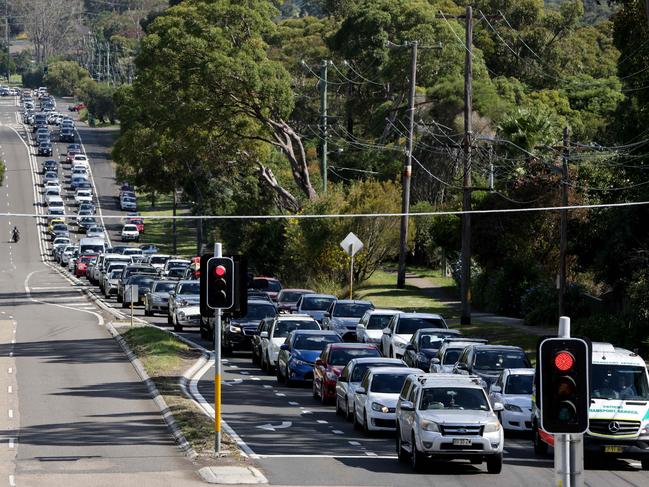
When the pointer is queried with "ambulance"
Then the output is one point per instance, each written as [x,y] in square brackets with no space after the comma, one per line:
[619,408]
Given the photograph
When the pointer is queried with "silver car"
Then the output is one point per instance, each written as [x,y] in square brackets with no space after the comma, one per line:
[157,299]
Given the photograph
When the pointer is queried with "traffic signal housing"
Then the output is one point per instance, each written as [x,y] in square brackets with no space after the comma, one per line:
[220,283]
[564,387]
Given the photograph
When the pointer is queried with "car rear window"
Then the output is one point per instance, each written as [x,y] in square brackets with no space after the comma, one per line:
[341,356]
[387,383]
[451,355]
[453,398]
[316,304]
[519,384]
[351,310]
[408,326]
[163,287]
[360,369]
[283,328]
[190,288]
[499,360]
[266,285]
[378,322]
[314,342]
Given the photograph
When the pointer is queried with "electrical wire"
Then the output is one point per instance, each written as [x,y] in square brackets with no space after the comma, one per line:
[367,80]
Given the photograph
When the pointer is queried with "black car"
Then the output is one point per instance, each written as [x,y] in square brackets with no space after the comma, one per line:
[130,270]
[144,282]
[66,135]
[424,345]
[488,361]
[238,332]
[50,165]
[45,149]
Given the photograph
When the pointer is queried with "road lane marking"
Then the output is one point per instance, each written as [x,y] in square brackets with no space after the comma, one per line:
[11,443]
[354,443]
[10,389]
[293,403]
[12,481]
[323,421]
[10,370]
[11,414]
[337,432]
[280,394]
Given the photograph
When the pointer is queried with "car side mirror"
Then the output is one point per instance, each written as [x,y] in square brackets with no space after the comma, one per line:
[434,361]
[342,379]
[387,331]
[326,314]
[410,346]
[264,334]
[361,390]
[407,406]
[360,326]
[461,366]
[284,346]
[498,406]
[496,389]
[319,363]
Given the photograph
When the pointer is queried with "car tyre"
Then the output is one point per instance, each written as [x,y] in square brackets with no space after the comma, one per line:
[417,459]
[346,414]
[280,378]
[366,425]
[339,410]
[357,424]
[540,447]
[495,463]
[314,391]
[476,461]
[203,332]
[402,454]
[169,321]
[644,463]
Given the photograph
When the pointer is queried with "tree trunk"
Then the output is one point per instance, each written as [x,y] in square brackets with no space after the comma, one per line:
[285,200]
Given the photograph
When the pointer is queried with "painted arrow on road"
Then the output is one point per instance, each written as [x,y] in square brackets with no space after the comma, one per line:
[270,427]
[230,383]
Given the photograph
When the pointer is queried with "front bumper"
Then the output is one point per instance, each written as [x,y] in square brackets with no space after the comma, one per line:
[188,320]
[329,389]
[515,421]
[378,421]
[239,341]
[636,449]
[434,443]
[300,371]
[159,306]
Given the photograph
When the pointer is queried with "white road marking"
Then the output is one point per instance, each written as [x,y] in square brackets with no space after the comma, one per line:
[11,443]
[10,370]
[11,413]
[243,372]
[306,412]
[266,386]
[280,394]
[293,403]
[337,432]
[323,421]
[354,443]
[371,454]
[10,389]
[12,481]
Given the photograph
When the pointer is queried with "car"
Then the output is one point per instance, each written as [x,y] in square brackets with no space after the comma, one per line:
[331,363]
[52,222]
[52,191]
[144,282]
[50,165]
[82,214]
[59,242]
[443,416]
[237,332]
[184,263]
[131,270]
[314,305]
[424,344]
[375,399]
[45,149]
[104,262]
[513,389]
[60,230]
[137,221]
[77,181]
[343,315]
[488,361]
[448,353]
[77,107]
[297,355]
[82,264]
[175,273]
[79,171]
[129,233]
[69,253]
[158,260]
[83,196]
[149,249]
[280,328]
[401,328]
[127,203]
[53,185]
[87,206]
[96,232]
[269,285]
[370,327]
[71,152]
[255,342]
[87,222]
[81,160]
[112,282]
[66,135]
[157,299]
[350,378]
[183,309]
[132,251]
[51,176]
[287,299]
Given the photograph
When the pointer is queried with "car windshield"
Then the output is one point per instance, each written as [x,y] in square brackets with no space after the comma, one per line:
[158,260]
[257,312]
[360,369]
[500,359]
[387,383]
[378,322]
[142,280]
[624,382]
[519,384]
[283,328]
[266,285]
[316,304]
[453,398]
[408,326]
[451,356]
[351,310]
[190,288]
[115,274]
[163,287]
[432,340]
[314,342]
[289,296]
[340,356]
[130,228]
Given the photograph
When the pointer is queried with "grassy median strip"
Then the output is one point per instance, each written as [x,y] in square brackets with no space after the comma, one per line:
[165,359]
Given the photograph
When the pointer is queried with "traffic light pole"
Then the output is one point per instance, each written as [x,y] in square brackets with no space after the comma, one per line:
[568,448]
[218,368]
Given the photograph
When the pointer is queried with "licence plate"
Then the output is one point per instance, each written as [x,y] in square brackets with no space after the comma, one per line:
[462,442]
[613,449]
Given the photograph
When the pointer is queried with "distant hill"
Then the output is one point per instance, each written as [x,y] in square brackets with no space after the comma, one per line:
[595,10]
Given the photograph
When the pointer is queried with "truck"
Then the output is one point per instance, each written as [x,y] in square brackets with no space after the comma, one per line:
[619,408]
[92,246]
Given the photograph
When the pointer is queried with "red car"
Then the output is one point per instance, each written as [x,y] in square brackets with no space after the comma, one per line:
[69,157]
[76,108]
[268,285]
[138,222]
[331,363]
[82,264]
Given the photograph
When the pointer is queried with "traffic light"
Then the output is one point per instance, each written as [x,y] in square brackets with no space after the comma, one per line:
[564,371]
[220,283]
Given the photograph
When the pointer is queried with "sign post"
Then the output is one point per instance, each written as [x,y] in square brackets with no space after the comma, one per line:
[217,367]
[351,244]
[130,296]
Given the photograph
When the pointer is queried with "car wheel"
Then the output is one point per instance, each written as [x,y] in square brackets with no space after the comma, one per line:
[280,379]
[203,332]
[366,425]
[124,304]
[540,447]
[402,454]
[476,461]
[391,355]
[287,380]
[169,322]
[645,463]
[323,397]
[262,362]
[339,410]
[347,415]
[417,459]
[119,298]
[357,424]
[495,463]
[314,391]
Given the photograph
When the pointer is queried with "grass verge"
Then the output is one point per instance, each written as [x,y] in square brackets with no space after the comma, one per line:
[160,232]
[165,359]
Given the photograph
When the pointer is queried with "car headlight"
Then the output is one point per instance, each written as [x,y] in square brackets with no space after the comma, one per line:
[429,425]
[297,361]
[183,302]
[492,427]
[331,376]
[235,329]
[376,406]
[645,431]
[156,299]
[181,315]
[513,408]
[400,345]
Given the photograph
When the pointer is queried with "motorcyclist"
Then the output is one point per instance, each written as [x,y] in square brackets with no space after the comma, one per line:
[15,234]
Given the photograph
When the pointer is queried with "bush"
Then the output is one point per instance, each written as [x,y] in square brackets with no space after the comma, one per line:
[3,168]
[501,290]
[539,305]
[63,78]
[33,78]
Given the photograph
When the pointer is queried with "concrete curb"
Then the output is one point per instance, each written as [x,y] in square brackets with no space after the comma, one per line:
[232,475]
[167,415]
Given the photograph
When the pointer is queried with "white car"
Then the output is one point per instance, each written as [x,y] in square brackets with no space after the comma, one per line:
[130,233]
[272,340]
[350,378]
[96,232]
[79,171]
[52,184]
[401,328]
[52,191]
[158,260]
[83,196]
[81,160]
[513,389]
[128,203]
[449,353]
[174,263]
[375,400]
[370,328]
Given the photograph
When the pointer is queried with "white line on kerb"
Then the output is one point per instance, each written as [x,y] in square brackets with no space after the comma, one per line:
[11,413]
[12,481]
[11,443]
[10,389]
[10,370]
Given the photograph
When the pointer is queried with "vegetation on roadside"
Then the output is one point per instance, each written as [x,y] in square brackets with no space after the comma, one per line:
[3,168]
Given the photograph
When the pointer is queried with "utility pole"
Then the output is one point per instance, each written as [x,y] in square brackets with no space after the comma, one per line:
[407,169]
[324,129]
[7,38]
[465,318]
[563,243]
[108,71]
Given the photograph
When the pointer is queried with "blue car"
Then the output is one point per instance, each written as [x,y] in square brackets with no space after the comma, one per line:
[299,352]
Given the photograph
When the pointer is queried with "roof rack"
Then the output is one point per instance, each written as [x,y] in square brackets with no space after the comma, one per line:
[465,339]
[426,378]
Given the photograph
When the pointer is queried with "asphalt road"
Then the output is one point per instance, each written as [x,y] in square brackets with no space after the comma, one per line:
[297,441]
[75,412]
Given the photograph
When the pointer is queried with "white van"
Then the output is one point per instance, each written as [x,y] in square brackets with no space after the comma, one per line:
[619,408]
[92,246]
[55,202]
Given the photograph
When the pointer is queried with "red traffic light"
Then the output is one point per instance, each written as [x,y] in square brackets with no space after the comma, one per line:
[219,271]
[564,361]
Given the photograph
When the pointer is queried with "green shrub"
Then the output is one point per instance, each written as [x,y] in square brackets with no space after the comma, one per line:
[3,168]
[539,305]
